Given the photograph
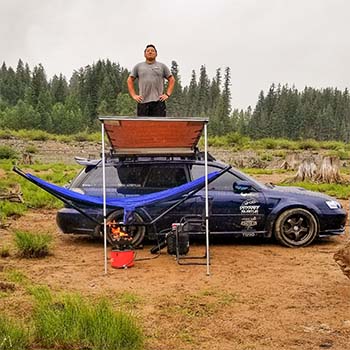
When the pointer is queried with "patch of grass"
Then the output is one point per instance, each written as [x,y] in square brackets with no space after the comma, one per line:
[281,153]
[267,143]
[37,198]
[69,321]
[13,335]
[16,276]
[33,135]
[32,245]
[31,149]
[340,191]
[259,171]
[128,299]
[340,153]
[235,139]
[87,136]
[266,156]
[7,152]
[5,134]
[333,145]
[64,138]
[8,209]
[309,144]
[4,251]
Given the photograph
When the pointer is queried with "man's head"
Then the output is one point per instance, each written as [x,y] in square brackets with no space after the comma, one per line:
[150,53]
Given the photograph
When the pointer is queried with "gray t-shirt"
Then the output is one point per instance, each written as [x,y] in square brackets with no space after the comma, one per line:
[150,79]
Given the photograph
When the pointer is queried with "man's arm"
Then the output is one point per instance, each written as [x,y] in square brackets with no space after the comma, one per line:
[171,84]
[132,92]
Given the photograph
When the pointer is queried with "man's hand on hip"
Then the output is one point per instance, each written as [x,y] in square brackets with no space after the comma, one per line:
[138,98]
[163,97]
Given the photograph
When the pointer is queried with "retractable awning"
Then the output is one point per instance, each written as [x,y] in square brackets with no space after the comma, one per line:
[153,135]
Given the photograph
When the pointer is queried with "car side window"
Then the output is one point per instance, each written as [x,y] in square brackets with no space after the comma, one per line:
[223,183]
[94,177]
[165,177]
[132,175]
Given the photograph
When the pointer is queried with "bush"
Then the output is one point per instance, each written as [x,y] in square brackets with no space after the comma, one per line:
[32,245]
[309,144]
[72,322]
[5,134]
[34,135]
[12,335]
[7,152]
[31,149]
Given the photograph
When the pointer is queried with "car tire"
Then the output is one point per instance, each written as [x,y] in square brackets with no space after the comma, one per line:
[296,227]
[137,232]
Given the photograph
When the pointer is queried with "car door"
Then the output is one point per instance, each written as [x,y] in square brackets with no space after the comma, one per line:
[234,211]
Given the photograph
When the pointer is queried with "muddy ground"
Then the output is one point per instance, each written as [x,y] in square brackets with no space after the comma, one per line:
[259,295]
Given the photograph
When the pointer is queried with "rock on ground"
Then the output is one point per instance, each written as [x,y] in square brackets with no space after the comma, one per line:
[342,257]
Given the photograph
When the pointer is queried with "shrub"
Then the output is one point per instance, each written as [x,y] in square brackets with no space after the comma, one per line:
[32,245]
[5,134]
[34,135]
[12,335]
[7,152]
[31,149]
[309,144]
[69,321]
[334,145]
[87,136]
[268,143]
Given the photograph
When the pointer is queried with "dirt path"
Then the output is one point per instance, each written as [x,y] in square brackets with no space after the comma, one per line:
[258,296]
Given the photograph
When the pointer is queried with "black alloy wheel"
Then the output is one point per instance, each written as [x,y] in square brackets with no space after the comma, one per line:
[296,227]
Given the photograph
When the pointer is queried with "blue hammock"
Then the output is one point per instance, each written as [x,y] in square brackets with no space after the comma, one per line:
[129,204]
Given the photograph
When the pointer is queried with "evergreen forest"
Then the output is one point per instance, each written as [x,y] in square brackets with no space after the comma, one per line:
[29,100]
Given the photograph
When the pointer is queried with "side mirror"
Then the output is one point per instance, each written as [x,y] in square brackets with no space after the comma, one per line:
[242,187]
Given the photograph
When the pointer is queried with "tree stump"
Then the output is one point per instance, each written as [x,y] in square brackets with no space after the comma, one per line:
[342,258]
[291,162]
[329,171]
[306,171]
[13,195]
[27,159]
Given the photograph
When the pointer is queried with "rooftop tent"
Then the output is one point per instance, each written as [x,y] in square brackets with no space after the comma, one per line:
[154,136]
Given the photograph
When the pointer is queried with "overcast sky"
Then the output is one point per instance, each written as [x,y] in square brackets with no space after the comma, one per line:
[300,42]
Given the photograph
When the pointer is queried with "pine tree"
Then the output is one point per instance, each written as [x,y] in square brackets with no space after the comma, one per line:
[175,105]
[191,97]
[39,84]
[59,88]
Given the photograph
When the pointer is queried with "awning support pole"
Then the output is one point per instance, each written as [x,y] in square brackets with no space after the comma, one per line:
[104,196]
[206,197]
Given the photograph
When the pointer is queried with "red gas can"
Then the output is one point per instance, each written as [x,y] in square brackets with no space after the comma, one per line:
[122,259]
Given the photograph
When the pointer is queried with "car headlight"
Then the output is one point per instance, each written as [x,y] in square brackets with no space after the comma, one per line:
[333,204]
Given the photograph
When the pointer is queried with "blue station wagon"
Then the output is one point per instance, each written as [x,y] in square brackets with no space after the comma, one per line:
[239,205]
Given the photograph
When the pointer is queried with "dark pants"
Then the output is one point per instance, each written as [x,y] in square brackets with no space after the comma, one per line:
[151,109]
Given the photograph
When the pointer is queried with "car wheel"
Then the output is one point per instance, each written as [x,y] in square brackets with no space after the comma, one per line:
[137,232]
[296,227]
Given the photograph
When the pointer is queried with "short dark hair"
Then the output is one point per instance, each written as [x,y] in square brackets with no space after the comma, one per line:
[150,45]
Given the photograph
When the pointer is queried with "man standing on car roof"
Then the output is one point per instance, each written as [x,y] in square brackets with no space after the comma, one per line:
[151,74]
